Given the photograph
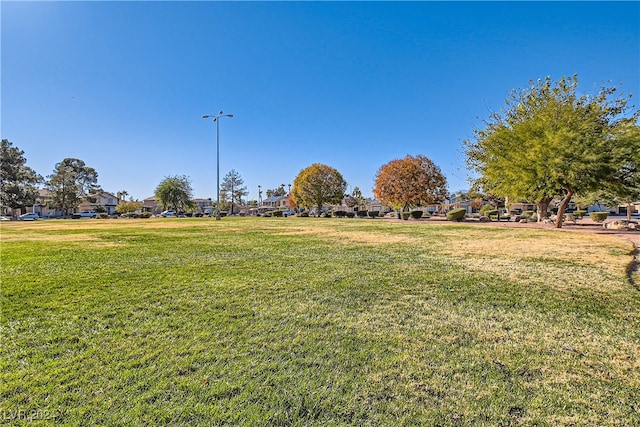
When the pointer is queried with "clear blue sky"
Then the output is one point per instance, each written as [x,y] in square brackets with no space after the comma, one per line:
[123,85]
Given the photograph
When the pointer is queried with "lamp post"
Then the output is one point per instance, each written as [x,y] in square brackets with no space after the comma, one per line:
[216,119]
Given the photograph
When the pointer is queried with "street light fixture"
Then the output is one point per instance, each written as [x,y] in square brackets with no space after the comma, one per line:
[216,119]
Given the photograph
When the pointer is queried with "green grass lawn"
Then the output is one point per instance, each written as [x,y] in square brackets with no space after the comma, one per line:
[296,321]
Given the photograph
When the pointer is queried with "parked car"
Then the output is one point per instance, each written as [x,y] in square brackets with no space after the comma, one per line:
[86,214]
[4,218]
[29,217]
[168,214]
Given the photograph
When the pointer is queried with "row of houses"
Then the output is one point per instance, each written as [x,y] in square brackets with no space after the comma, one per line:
[104,199]
[108,203]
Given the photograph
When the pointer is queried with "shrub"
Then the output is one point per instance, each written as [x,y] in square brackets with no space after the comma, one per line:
[340,214]
[267,215]
[579,214]
[456,214]
[416,214]
[361,214]
[373,214]
[405,215]
[599,216]
[304,214]
[103,215]
[490,212]
[277,214]
[530,215]
[350,214]
[145,215]
[486,208]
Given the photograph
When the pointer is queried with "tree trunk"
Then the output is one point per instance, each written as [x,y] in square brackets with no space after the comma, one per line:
[629,207]
[542,206]
[562,207]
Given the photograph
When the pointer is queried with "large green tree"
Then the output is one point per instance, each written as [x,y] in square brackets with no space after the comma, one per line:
[410,181]
[174,192]
[17,180]
[71,181]
[233,188]
[318,184]
[550,141]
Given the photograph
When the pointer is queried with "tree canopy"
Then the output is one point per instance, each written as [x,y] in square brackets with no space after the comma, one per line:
[276,192]
[17,180]
[174,192]
[71,181]
[410,181]
[127,207]
[318,184]
[548,142]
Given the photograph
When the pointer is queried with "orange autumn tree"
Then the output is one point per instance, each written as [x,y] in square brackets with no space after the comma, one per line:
[318,184]
[412,181]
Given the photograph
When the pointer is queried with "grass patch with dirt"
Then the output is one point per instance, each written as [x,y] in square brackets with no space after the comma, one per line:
[305,321]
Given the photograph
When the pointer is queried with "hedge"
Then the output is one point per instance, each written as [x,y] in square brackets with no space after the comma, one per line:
[456,214]
[416,214]
[599,216]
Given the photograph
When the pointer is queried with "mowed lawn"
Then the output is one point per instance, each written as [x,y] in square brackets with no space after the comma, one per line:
[305,321]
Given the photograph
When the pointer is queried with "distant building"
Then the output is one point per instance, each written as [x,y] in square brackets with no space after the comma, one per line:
[150,204]
[98,201]
[273,203]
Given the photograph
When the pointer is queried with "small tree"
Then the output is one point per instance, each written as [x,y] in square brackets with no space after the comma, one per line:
[318,184]
[174,192]
[128,207]
[233,188]
[410,181]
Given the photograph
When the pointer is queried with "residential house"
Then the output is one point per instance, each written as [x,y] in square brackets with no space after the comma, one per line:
[98,201]
[273,203]
[40,206]
[372,205]
[204,205]
[150,204]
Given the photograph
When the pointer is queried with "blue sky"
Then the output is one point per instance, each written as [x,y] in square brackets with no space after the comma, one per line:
[123,85]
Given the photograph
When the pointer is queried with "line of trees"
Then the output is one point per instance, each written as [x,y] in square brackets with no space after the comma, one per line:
[548,143]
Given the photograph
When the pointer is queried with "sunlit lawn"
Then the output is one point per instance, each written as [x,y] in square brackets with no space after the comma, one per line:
[295,321]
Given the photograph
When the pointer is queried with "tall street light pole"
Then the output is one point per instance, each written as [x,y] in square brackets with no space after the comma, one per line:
[216,119]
